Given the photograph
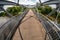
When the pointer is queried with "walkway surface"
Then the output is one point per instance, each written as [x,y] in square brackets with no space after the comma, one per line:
[31,28]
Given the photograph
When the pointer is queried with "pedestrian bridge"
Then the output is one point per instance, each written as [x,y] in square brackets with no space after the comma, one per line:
[30,25]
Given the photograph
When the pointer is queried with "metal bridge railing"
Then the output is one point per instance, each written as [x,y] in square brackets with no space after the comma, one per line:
[7,30]
[51,30]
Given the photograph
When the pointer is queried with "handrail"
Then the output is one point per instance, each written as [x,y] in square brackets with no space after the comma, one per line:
[7,30]
[50,21]
[9,20]
[53,25]
[51,2]
[11,35]
[48,26]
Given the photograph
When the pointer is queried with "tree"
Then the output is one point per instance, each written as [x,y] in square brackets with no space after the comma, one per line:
[48,9]
[54,14]
[3,14]
[14,10]
[45,9]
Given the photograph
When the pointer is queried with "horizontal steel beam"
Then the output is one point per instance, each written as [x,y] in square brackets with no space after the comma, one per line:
[7,3]
[2,3]
[50,2]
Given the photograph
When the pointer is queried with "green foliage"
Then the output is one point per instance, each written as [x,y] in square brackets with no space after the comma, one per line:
[3,14]
[54,14]
[45,9]
[14,10]
[40,8]
[24,8]
[59,15]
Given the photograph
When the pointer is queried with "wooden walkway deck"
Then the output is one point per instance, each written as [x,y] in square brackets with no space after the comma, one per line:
[31,28]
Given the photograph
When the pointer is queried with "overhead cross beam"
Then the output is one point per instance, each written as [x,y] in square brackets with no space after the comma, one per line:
[58,7]
[40,1]
[4,2]
[50,2]
[6,12]
[7,3]
[18,1]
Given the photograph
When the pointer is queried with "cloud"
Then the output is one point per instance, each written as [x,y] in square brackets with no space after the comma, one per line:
[44,0]
[24,2]
[28,2]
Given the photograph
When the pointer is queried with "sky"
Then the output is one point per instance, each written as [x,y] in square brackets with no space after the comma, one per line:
[29,2]
[26,2]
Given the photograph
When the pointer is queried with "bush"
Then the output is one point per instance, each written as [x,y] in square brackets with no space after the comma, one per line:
[3,14]
[14,10]
[45,9]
